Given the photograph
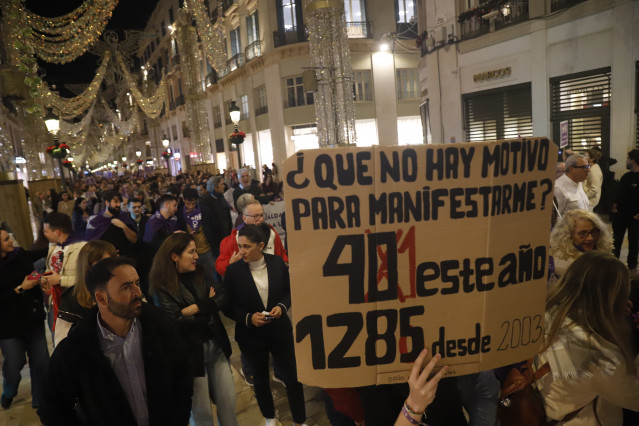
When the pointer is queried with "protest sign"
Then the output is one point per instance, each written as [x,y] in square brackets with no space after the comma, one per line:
[273,215]
[393,249]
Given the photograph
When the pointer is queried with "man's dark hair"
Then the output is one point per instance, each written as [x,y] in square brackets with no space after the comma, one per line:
[60,222]
[256,233]
[165,199]
[634,156]
[190,194]
[100,273]
[134,200]
[107,196]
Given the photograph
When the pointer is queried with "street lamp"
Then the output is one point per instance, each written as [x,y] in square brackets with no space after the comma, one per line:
[138,153]
[53,126]
[234,112]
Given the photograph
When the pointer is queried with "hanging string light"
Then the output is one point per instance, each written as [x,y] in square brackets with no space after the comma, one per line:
[152,105]
[212,35]
[65,38]
[74,129]
[72,107]
[124,127]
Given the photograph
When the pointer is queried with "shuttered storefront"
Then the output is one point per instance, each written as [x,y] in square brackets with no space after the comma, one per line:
[498,114]
[583,100]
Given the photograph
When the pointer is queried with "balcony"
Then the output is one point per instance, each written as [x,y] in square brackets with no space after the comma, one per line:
[261,110]
[211,79]
[179,101]
[361,29]
[473,24]
[235,62]
[223,72]
[288,36]
[175,60]
[556,5]
[227,4]
[407,30]
[253,50]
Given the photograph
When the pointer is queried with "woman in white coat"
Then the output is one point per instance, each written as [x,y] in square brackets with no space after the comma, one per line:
[593,370]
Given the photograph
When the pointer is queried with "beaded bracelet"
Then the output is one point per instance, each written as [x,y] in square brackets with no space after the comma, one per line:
[414,413]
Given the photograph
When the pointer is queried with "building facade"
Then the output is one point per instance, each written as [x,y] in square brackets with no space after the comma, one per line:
[267,53]
[503,69]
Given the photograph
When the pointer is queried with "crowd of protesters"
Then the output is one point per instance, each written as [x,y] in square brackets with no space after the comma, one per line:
[139,269]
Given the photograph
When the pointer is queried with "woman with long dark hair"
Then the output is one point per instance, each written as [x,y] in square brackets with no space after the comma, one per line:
[593,369]
[80,215]
[260,293]
[192,300]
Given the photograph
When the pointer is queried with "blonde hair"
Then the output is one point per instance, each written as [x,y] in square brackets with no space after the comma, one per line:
[92,252]
[561,244]
[593,293]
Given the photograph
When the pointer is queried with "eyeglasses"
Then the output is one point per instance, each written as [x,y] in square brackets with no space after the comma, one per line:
[585,167]
[594,232]
[255,216]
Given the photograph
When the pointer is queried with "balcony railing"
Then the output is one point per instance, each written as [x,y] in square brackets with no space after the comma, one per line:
[227,4]
[556,5]
[291,35]
[235,62]
[261,110]
[406,30]
[228,120]
[176,60]
[244,115]
[223,72]
[253,50]
[211,79]
[473,24]
[179,101]
[361,29]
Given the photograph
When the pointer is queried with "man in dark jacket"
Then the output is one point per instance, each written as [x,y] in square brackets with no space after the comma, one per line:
[248,186]
[626,210]
[124,363]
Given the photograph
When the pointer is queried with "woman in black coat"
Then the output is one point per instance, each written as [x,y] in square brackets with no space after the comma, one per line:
[192,300]
[259,289]
[21,321]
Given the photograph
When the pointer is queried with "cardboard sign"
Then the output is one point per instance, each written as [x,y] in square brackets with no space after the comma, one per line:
[273,213]
[393,249]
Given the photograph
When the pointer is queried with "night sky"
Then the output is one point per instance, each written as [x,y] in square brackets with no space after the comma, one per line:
[128,14]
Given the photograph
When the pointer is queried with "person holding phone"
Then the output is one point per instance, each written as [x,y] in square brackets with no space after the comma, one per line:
[21,321]
[260,296]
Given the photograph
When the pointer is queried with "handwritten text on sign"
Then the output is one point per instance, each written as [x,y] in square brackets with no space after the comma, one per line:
[394,249]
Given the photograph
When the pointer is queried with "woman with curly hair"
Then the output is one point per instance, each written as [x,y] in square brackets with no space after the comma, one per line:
[577,232]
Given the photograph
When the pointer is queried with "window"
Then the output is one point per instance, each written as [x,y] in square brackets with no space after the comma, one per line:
[180,86]
[217,117]
[236,46]
[583,100]
[261,106]
[288,14]
[295,93]
[171,20]
[406,10]
[244,107]
[362,88]
[174,47]
[252,28]
[354,10]
[163,29]
[407,84]
[498,114]
[174,132]
[409,131]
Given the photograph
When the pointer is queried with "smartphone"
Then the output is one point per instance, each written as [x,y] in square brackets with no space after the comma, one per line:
[34,276]
[48,273]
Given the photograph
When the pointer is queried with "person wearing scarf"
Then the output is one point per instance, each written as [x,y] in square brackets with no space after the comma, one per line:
[114,226]
[61,264]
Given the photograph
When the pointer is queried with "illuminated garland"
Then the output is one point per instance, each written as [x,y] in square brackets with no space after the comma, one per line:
[63,39]
[124,127]
[151,105]
[212,35]
[75,129]
[72,107]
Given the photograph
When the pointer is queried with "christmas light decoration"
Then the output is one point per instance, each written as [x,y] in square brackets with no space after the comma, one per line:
[152,105]
[212,35]
[330,57]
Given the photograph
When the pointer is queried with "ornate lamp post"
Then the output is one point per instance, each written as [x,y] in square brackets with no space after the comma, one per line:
[234,112]
[53,126]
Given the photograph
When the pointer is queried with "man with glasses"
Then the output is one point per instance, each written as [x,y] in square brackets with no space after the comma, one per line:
[569,191]
[626,211]
[253,214]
